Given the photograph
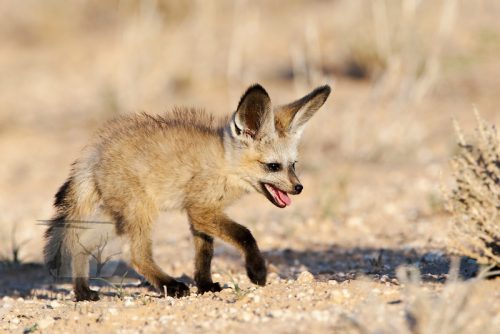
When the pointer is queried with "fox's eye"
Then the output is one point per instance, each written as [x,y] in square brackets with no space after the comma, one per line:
[273,167]
[293,165]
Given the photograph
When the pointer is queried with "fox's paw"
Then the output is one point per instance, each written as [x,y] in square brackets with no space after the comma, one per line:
[257,271]
[176,289]
[208,287]
[86,294]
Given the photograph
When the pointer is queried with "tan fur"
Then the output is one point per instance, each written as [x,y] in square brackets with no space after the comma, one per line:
[185,160]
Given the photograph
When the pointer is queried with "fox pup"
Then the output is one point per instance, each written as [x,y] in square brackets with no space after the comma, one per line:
[188,160]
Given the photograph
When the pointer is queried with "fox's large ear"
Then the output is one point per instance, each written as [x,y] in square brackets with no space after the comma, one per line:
[292,117]
[254,117]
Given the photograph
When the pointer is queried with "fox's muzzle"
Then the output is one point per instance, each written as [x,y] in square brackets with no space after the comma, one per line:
[294,180]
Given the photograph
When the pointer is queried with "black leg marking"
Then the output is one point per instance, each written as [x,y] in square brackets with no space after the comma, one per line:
[243,238]
[204,251]
[174,288]
[82,290]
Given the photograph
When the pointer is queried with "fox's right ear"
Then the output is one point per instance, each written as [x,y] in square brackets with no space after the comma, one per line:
[254,117]
[291,118]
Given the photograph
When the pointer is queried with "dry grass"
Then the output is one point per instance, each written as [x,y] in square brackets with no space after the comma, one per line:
[457,309]
[400,46]
[12,255]
[475,202]
[394,45]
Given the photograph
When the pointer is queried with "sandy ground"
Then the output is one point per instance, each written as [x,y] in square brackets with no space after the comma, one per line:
[373,161]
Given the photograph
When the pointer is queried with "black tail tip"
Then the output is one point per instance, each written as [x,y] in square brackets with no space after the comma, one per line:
[62,193]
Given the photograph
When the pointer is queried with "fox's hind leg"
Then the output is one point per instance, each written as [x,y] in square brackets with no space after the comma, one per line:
[136,224]
[80,270]
[142,259]
[82,239]
[204,251]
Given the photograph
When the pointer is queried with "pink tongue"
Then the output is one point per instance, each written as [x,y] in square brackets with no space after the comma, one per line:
[283,196]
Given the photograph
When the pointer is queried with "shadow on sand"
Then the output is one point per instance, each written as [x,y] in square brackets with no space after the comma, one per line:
[328,263]
[340,264]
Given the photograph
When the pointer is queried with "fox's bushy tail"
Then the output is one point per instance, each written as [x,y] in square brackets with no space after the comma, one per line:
[54,235]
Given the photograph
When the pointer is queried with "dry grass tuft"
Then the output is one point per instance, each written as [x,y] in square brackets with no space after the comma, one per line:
[393,45]
[455,309]
[12,257]
[475,202]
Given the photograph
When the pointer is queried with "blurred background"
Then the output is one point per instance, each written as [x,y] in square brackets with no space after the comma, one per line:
[371,161]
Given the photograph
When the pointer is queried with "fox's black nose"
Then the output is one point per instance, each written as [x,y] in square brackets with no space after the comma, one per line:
[298,188]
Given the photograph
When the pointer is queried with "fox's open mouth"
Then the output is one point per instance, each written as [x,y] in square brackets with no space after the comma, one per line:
[277,196]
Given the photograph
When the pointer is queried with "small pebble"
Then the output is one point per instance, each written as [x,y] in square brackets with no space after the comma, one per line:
[128,302]
[305,277]
[246,316]
[46,322]
[54,304]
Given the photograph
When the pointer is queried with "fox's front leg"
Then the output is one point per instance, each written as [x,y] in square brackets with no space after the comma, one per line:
[219,225]
[242,238]
[204,251]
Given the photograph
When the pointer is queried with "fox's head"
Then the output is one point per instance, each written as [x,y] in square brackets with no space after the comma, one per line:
[262,140]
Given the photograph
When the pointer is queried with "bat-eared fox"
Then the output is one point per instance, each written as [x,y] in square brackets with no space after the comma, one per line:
[187,160]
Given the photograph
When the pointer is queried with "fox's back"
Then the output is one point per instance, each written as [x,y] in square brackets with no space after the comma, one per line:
[155,157]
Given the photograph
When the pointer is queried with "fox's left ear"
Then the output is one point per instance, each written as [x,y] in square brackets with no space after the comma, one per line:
[254,118]
[292,117]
